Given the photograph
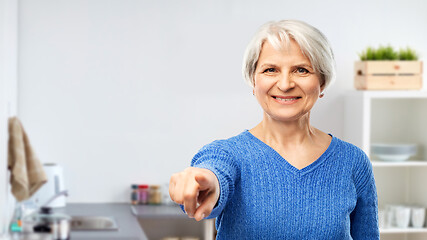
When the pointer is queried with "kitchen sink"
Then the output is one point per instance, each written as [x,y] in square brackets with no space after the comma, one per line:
[93,223]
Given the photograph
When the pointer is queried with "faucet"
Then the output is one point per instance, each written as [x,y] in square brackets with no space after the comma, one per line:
[65,193]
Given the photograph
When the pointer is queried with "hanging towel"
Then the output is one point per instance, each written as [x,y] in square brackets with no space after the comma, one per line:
[27,174]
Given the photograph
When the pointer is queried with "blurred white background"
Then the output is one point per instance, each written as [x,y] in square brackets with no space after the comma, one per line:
[122,92]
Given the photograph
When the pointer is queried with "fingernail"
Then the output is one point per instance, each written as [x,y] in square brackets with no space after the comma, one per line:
[203,215]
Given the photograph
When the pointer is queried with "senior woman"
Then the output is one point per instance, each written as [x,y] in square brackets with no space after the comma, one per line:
[283,179]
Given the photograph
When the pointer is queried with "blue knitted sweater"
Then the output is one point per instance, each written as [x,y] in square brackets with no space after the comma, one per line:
[262,196]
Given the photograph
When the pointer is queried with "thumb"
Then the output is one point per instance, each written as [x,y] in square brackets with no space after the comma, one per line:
[204,182]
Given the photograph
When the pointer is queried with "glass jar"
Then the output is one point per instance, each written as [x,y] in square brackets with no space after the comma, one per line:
[134,196]
[143,194]
[155,194]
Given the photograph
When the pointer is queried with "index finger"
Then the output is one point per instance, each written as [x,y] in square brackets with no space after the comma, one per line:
[191,193]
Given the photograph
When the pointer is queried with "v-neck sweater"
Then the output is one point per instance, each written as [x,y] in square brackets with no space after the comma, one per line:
[262,196]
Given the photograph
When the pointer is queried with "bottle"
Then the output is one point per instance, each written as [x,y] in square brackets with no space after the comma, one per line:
[155,194]
[143,194]
[134,196]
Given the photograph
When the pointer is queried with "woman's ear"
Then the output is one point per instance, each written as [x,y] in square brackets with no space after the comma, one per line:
[253,86]
[322,83]
[322,87]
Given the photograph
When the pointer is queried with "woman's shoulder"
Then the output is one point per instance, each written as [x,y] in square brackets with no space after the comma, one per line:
[355,156]
[361,166]
[228,145]
[348,148]
[222,151]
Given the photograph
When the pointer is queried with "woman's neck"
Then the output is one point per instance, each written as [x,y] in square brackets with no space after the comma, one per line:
[274,132]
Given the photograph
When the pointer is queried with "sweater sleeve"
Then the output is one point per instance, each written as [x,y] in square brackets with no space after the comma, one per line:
[217,159]
[364,218]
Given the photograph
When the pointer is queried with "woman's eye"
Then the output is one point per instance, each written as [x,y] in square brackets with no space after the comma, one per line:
[302,70]
[269,70]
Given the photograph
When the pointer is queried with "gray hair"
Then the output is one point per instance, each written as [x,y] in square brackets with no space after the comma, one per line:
[312,42]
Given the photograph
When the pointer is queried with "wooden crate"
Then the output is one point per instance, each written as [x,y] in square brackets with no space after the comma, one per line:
[388,75]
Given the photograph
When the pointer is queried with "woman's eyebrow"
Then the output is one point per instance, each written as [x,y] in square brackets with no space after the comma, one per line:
[303,64]
[306,65]
[268,65]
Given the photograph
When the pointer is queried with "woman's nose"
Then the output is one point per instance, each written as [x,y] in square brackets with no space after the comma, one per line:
[285,83]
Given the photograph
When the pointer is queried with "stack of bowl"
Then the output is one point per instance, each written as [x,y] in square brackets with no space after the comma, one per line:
[393,152]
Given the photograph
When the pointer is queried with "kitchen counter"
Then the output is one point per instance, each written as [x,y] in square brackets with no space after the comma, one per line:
[129,218]
[129,228]
[158,211]
[127,222]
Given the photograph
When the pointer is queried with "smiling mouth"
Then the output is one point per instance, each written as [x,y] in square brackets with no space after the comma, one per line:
[287,99]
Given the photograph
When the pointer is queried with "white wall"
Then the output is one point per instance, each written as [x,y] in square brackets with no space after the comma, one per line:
[3,128]
[122,92]
[8,99]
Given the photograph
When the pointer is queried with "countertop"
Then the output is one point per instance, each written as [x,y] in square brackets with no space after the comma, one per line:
[125,214]
[128,225]
[129,228]
[158,211]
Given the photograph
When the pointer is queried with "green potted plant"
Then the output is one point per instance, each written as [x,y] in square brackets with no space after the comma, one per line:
[384,68]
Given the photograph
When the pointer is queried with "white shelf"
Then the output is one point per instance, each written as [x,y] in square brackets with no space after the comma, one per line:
[414,163]
[403,230]
[392,94]
[392,117]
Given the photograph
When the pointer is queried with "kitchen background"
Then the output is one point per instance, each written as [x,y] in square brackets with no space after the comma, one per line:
[121,92]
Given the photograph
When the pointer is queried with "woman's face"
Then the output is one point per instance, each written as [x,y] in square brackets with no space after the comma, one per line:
[285,84]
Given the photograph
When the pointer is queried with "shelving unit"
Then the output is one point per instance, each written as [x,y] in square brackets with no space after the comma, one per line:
[403,230]
[392,117]
[414,163]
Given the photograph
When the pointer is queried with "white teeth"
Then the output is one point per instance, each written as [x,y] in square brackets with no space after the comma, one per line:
[286,99]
